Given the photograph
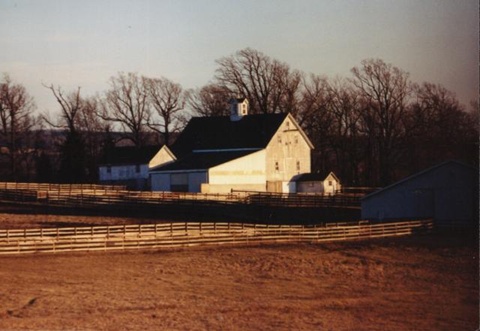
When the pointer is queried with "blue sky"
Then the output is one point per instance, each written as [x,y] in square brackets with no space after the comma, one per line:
[83,43]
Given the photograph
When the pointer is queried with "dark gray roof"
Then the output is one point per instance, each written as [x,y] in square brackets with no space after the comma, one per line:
[315,176]
[129,155]
[239,100]
[220,133]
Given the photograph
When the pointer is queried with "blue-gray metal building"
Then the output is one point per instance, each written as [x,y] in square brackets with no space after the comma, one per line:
[447,192]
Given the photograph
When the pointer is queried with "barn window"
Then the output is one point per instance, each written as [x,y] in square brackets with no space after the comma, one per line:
[330,183]
[279,139]
[277,168]
[298,165]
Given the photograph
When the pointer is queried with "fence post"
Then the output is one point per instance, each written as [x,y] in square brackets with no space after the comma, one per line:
[124,235]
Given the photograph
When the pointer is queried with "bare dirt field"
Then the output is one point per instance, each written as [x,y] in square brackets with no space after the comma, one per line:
[425,282]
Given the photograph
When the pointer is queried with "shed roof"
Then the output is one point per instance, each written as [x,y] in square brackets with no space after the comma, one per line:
[237,100]
[129,155]
[315,176]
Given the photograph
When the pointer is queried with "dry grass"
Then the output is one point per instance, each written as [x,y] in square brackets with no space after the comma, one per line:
[418,283]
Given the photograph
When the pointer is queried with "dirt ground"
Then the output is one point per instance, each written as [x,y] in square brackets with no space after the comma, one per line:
[10,220]
[425,282]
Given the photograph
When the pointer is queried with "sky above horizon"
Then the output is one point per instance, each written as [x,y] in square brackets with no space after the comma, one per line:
[72,43]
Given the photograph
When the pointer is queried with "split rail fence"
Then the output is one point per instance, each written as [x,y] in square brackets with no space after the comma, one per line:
[172,235]
[91,196]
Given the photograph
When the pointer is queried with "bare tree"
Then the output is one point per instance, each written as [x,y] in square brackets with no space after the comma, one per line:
[342,102]
[127,104]
[168,100]
[70,108]
[84,134]
[94,132]
[316,119]
[438,114]
[384,90]
[72,151]
[16,121]
[439,126]
[269,84]
[210,100]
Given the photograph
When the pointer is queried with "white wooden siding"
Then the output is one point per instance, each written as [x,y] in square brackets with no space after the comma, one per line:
[163,156]
[290,150]
[123,172]
[249,169]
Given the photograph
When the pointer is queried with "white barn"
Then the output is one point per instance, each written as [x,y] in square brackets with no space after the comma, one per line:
[237,152]
[447,192]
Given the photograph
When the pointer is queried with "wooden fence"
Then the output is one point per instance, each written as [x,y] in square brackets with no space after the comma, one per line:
[304,200]
[91,196]
[58,187]
[171,235]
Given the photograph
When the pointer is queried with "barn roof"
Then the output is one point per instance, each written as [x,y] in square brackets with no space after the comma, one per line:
[129,155]
[202,160]
[315,176]
[421,173]
[220,133]
[235,100]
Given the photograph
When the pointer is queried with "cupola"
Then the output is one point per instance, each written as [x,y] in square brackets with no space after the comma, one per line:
[238,108]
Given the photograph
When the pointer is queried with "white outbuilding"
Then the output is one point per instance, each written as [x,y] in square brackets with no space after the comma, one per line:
[318,183]
[129,165]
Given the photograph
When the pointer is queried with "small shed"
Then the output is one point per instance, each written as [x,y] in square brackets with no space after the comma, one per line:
[447,192]
[127,165]
[319,183]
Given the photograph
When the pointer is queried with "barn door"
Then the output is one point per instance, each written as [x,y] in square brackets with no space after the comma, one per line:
[179,182]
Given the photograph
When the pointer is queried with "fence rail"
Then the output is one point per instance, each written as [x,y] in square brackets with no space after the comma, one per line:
[58,187]
[171,235]
[91,196]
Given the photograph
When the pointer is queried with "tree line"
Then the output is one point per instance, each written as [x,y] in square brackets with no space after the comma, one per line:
[371,128]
